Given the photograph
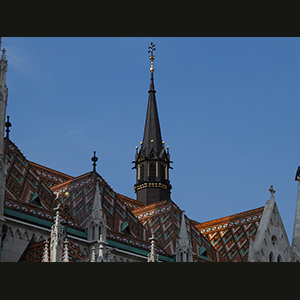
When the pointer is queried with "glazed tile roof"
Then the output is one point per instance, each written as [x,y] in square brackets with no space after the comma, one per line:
[26,192]
[231,235]
[50,176]
[35,250]
[31,190]
[163,219]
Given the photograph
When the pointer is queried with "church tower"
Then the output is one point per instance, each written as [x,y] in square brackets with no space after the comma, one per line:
[3,104]
[152,161]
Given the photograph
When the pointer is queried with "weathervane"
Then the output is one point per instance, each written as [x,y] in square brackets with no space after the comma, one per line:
[151,49]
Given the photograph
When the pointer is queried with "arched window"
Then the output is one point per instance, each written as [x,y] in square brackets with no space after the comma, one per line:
[274,240]
[279,259]
[93,232]
[271,257]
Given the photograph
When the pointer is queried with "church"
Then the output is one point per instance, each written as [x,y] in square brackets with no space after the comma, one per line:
[49,216]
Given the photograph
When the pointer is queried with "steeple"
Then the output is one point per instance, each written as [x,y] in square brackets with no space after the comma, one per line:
[152,140]
[152,162]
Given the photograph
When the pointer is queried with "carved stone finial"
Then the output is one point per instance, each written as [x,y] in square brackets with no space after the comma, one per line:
[46,251]
[66,251]
[94,159]
[272,191]
[7,125]
[152,256]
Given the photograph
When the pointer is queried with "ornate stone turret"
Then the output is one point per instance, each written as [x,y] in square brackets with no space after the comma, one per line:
[3,105]
[152,256]
[56,238]
[152,161]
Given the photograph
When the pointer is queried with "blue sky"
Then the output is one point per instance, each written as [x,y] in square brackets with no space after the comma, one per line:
[229,110]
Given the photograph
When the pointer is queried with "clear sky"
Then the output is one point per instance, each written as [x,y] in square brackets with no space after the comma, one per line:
[228,107]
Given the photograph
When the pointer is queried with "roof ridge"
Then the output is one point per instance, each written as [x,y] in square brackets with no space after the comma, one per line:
[203,224]
[50,169]
[58,186]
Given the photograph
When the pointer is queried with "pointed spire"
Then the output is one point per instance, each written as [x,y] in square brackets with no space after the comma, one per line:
[183,250]
[152,256]
[183,234]
[3,65]
[93,255]
[46,251]
[56,237]
[66,251]
[152,134]
[97,211]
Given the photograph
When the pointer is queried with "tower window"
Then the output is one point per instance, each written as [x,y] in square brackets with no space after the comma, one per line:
[152,170]
[141,171]
[164,171]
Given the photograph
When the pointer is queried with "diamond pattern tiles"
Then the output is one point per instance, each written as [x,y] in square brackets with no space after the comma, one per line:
[35,250]
[50,177]
[163,219]
[25,191]
[81,197]
[231,235]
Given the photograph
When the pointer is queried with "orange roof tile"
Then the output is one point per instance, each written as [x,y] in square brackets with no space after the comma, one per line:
[231,235]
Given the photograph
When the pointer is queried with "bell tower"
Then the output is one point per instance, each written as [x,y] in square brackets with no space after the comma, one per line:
[152,161]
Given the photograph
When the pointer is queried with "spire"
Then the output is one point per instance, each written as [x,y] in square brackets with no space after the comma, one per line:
[66,251]
[183,235]
[152,134]
[296,233]
[152,162]
[96,220]
[183,246]
[152,256]
[46,251]
[56,238]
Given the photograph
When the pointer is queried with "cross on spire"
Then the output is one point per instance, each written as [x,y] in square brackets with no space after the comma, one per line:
[151,49]
[272,191]
[7,125]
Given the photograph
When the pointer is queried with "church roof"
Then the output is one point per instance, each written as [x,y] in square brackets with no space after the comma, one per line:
[163,220]
[27,195]
[35,250]
[231,235]
[50,176]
